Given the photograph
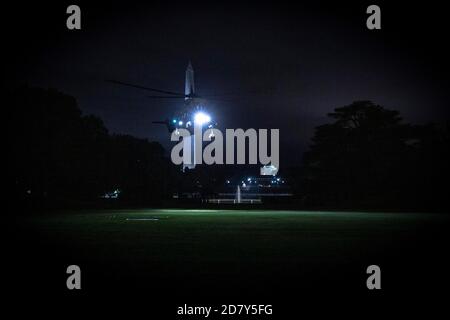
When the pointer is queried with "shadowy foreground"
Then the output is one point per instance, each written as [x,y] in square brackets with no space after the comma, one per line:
[181,255]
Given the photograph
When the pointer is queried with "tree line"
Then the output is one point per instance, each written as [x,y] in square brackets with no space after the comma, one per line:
[60,156]
[368,157]
[365,157]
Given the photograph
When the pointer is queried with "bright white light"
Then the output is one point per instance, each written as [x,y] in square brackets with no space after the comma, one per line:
[201,118]
[180,123]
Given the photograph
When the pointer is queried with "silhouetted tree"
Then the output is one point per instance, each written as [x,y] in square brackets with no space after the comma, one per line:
[57,154]
[368,158]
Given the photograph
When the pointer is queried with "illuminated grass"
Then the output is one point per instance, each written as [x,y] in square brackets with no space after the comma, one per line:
[196,242]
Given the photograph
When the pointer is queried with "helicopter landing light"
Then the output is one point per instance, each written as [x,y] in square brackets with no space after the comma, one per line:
[201,118]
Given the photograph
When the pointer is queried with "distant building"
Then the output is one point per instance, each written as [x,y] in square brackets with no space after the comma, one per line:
[269,170]
[260,189]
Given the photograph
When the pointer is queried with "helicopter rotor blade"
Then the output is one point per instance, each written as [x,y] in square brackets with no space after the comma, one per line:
[181,95]
[240,94]
[165,97]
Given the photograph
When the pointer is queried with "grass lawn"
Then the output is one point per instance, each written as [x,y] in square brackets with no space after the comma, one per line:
[229,244]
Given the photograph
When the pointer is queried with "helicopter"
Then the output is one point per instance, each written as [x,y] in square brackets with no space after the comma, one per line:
[193,111]
[192,115]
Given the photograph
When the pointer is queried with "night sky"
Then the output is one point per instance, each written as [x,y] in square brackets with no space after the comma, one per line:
[279,65]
